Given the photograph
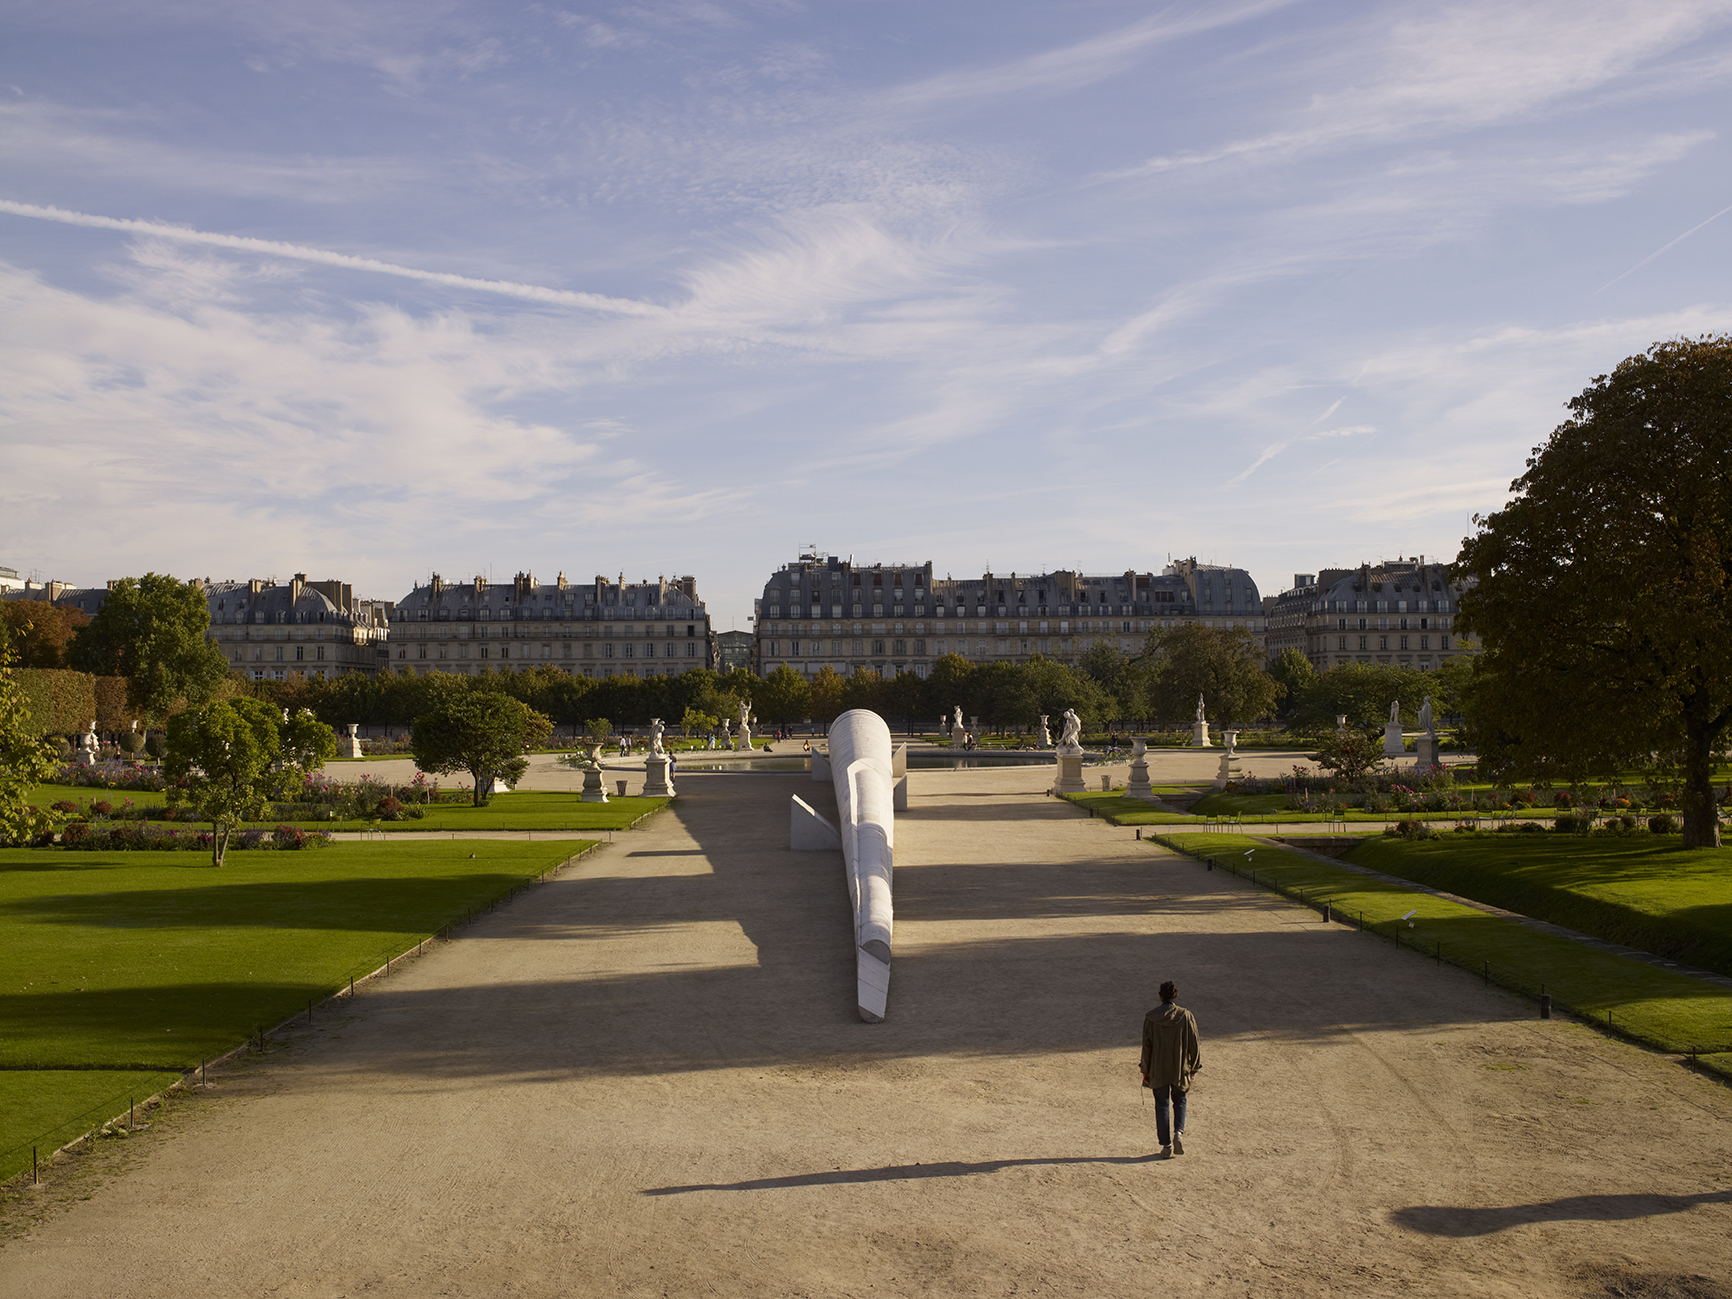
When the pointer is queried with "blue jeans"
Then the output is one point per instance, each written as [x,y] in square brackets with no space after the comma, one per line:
[1162,1129]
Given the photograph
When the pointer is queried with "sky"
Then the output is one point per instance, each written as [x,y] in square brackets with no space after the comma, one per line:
[377,290]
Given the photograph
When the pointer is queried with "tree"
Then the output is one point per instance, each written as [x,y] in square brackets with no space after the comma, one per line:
[232,758]
[484,733]
[1293,673]
[1111,669]
[151,630]
[1224,665]
[696,723]
[782,696]
[947,688]
[39,632]
[826,697]
[1349,754]
[1361,692]
[1603,590]
[25,762]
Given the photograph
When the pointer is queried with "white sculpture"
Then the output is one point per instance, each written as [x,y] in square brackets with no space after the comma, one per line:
[1070,739]
[1395,710]
[956,718]
[862,772]
[88,746]
[745,740]
[1044,736]
[656,736]
[1425,714]
[1200,716]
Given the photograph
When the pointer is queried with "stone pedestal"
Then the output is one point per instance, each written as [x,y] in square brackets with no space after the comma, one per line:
[744,739]
[1425,752]
[1070,777]
[1138,785]
[1229,771]
[1200,735]
[958,737]
[1394,746]
[352,745]
[592,788]
[1043,737]
[656,782]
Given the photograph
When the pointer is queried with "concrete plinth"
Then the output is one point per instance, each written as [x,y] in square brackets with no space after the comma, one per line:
[1138,784]
[1425,752]
[1200,735]
[657,783]
[592,790]
[1394,746]
[809,830]
[1070,777]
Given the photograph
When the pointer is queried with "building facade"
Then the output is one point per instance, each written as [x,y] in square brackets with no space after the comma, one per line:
[889,618]
[268,630]
[1395,612]
[602,629]
[733,650]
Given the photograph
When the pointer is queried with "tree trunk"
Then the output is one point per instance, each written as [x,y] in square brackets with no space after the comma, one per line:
[1701,817]
[219,842]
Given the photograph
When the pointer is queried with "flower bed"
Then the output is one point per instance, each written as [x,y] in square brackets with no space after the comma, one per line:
[137,836]
[113,775]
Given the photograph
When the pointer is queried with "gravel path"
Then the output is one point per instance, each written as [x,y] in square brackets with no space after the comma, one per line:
[646,1078]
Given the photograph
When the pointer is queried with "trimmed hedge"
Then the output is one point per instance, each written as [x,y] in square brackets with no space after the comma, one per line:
[59,701]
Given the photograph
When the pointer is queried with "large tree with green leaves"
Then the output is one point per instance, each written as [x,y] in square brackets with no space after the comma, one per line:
[151,630]
[1603,595]
[39,632]
[1362,693]
[1295,676]
[25,762]
[484,733]
[783,696]
[1223,665]
[230,759]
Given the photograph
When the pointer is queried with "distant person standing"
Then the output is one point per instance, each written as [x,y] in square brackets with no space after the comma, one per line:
[1170,1061]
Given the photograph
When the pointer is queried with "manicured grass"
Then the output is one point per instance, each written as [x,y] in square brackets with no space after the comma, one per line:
[154,961]
[1666,1010]
[43,795]
[48,1109]
[1645,892]
[528,810]
[1239,805]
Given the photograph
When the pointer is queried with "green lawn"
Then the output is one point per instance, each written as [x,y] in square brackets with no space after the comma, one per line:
[528,810]
[1642,892]
[518,811]
[133,965]
[1666,1010]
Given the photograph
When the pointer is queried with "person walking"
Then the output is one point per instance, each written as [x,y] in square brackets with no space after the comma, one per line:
[1169,1063]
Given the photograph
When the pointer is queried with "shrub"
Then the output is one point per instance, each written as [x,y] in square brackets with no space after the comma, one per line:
[64,805]
[62,747]
[1573,824]
[1412,830]
[132,741]
[288,837]
[1563,798]
[74,833]
[390,808]
[1662,824]
[156,744]
[102,807]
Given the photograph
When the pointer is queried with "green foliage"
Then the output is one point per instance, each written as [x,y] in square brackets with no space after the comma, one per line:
[1603,594]
[25,762]
[59,702]
[598,729]
[947,685]
[1293,673]
[1124,685]
[825,701]
[1224,665]
[1362,691]
[1350,754]
[783,696]
[39,632]
[151,630]
[231,758]
[485,733]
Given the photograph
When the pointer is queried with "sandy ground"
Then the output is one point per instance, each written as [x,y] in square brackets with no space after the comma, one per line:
[646,1078]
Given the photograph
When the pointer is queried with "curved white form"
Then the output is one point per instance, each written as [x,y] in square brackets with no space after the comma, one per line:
[862,770]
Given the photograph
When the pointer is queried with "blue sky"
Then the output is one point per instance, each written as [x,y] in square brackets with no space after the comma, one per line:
[375,290]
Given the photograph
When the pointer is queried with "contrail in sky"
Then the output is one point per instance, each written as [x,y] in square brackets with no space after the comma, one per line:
[1651,256]
[297,252]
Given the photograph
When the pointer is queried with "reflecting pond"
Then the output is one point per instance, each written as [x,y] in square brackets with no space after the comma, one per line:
[916,762]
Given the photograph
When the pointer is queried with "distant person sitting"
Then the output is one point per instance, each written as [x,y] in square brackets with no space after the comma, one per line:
[1170,1061]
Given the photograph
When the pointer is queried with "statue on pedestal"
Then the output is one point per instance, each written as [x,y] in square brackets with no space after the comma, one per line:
[656,735]
[745,740]
[88,746]
[1425,715]
[1044,736]
[1070,739]
[1200,728]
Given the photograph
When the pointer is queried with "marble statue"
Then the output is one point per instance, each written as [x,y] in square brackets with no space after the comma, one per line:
[656,735]
[1044,736]
[1070,739]
[1425,714]
[956,718]
[88,745]
[1395,710]
[1200,716]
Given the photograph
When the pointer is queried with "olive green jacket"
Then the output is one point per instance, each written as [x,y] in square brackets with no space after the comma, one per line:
[1170,1055]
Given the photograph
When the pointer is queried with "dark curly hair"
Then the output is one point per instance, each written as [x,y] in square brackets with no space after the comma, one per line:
[1169,991]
